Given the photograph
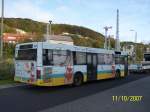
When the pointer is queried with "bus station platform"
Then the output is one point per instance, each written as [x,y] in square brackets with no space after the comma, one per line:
[124,98]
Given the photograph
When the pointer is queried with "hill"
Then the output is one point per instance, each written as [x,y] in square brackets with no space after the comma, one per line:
[81,35]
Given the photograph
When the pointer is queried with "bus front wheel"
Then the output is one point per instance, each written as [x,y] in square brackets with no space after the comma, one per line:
[78,79]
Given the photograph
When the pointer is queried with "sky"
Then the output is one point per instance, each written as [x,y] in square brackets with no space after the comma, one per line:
[93,14]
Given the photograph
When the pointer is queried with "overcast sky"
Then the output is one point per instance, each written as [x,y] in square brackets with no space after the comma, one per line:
[94,14]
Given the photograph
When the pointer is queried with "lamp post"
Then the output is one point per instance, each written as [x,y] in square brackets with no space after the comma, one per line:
[135,40]
[135,36]
[2,26]
[48,29]
[50,22]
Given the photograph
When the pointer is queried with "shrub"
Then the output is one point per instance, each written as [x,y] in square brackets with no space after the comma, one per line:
[7,69]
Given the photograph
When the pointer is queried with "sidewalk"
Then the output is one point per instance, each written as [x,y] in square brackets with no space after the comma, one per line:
[102,102]
[11,85]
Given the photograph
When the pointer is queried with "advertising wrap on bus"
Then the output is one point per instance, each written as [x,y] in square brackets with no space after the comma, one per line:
[25,65]
[26,71]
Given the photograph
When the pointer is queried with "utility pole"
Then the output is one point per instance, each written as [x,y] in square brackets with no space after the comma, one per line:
[117,32]
[135,40]
[106,39]
[50,22]
[48,30]
[2,26]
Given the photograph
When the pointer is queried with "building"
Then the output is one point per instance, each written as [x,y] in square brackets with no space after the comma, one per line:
[12,37]
[58,39]
[130,49]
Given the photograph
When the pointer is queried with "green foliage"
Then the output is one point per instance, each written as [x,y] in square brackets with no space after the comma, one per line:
[139,52]
[95,39]
[8,29]
[6,69]
[9,50]
[27,25]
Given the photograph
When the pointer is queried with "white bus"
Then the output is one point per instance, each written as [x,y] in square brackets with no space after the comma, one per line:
[142,66]
[46,64]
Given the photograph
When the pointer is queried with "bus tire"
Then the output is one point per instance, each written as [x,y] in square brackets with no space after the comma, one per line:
[78,79]
[118,73]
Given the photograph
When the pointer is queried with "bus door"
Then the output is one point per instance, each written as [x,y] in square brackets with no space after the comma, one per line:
[126,66]
[91,66]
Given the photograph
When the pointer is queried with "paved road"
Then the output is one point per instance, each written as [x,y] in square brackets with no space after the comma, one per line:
[32,99]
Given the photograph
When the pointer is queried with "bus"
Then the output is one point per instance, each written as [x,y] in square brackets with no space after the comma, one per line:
[146,62]
[142,66]
[47,64]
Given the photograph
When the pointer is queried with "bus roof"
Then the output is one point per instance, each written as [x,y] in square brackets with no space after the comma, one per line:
[47,45]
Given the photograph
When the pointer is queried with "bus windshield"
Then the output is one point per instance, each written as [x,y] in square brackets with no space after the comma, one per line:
[147,57]
[27,54]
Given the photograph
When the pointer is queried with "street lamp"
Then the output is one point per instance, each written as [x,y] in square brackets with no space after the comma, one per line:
[135,43]
[49,29]
[2,26]
[135,35]
[50,22]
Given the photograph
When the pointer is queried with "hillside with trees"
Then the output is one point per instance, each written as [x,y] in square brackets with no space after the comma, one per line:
[82,36]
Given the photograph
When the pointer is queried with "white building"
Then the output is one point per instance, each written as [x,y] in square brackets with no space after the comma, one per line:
[129,49]
[58,39]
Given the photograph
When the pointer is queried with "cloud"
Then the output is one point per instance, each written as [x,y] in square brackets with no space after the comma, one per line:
[28,9]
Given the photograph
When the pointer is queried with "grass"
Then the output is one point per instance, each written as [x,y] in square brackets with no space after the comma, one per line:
[6,71]
[8,81]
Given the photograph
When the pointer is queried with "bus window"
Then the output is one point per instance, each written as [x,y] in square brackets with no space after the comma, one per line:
[108,58]
[122,60]
[119,59]
[147,57]
[47,57]
[59,57]
[80,58]
[101,59]
[27,54]
[62,57]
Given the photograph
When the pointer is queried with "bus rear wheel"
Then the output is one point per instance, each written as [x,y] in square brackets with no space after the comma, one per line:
[78,79]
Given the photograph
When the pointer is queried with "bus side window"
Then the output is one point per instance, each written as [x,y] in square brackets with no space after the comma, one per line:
[108,59]
[123,60]
[60,57]
[80,58]
[74,58]
[101,59]
[119,59]
[47,57]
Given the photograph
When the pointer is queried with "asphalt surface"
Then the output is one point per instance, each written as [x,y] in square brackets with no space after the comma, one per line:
[31,99]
